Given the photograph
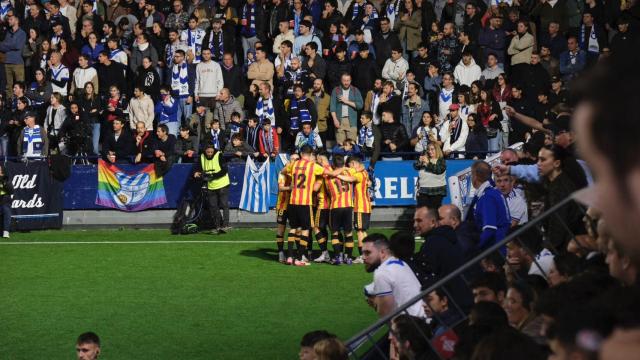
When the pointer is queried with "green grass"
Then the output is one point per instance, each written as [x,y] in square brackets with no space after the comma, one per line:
[169,301]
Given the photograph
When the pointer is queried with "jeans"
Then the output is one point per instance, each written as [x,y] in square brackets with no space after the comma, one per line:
[6,216]
[494,143]
[184,110]
[219,199]
[248,44]
[95,138]
[174,127]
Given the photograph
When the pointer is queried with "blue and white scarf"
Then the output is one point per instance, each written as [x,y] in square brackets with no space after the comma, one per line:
[4,9]
[591,44]
[249,15]
[299,112]
[113,54]
[169,53]
[215,139]
[234,128]
[194,42]
[356,10]
[217,48]
[250,137]
[365,137]
[392,12]
[33,138]
[164,117]
[264,110]
[267,140]
[180,79]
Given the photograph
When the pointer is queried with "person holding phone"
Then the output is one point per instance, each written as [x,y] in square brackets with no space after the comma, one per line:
[432,185]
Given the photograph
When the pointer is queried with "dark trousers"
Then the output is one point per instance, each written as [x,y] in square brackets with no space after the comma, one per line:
[5,210]
[219,199]
[430,201]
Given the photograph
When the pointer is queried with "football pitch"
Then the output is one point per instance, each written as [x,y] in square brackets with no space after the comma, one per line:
[152,295]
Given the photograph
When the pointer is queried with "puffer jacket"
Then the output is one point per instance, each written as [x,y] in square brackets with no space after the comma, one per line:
[224,110]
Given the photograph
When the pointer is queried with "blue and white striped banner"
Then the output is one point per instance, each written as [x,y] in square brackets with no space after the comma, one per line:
[256,187]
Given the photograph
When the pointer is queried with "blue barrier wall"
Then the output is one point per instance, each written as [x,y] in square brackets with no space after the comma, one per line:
[395,184]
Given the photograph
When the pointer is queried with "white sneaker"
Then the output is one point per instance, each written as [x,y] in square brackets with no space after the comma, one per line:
[281,258]
[5,234]
[304,259]
[358,260]
[324,257]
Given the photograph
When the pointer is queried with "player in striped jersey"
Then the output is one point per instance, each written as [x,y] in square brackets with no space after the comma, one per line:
[303,173]
[284,192]
[361,202]
[321,212]
[341,213]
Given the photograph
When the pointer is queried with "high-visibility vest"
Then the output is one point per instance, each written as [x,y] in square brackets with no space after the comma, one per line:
[213,166]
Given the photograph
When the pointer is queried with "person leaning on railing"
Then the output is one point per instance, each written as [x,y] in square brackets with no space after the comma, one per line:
[432,185]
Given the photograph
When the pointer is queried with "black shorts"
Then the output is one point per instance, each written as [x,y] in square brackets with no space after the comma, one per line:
[300,216]
[361,221]
[281,217]
[321,218]
[341,219]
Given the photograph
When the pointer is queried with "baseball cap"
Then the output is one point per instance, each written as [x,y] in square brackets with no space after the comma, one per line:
[30,114]
[555,79]
[363,47]
[561,123]
[453,107]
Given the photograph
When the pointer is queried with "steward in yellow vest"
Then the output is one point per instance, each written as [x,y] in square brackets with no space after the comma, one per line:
[212,170]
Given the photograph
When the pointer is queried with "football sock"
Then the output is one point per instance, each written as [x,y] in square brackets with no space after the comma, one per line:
[280,242]
[302,248]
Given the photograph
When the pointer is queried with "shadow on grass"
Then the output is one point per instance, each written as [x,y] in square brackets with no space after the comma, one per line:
[270,254]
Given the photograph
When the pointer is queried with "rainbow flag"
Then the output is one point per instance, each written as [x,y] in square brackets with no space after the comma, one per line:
[129,190]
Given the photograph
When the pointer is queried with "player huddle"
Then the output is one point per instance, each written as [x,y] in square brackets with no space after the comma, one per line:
[322,198]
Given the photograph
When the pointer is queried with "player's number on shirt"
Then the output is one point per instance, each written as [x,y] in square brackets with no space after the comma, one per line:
[301,179]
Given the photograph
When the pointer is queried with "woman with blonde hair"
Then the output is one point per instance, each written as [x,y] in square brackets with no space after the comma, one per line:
[432,185]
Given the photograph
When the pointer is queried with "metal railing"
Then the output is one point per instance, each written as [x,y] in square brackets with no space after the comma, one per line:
[371,335]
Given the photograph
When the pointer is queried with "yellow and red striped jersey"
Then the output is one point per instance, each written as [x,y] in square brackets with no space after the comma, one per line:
[283,196]
[361,200]
[303,176]
[321,197]
[341,192]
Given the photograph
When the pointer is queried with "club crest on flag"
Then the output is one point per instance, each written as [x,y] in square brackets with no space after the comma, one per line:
[133,188]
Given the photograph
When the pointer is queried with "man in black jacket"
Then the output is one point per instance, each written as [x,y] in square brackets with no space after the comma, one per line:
[384,41]
[439,255]
[394,135]
[365,69]
[233,76]
[110,73]
[119,146]
[219,40]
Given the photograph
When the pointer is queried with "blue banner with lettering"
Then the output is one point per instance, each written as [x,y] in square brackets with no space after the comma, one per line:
[395,184]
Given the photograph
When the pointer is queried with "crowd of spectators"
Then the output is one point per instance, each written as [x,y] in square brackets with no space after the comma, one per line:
[418,72]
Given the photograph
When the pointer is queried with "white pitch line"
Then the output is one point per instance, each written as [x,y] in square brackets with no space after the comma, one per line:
[140,242]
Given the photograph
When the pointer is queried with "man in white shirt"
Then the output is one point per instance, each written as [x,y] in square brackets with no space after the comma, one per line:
[454,132]
[516,201]
[394,283]
[209,80]
[395,69]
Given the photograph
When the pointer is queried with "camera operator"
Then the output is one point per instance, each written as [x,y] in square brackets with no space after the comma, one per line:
[76,132]
[212,169]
